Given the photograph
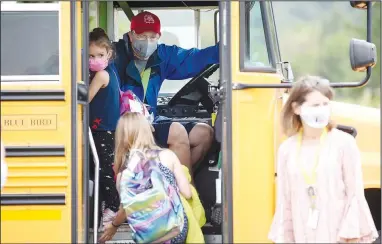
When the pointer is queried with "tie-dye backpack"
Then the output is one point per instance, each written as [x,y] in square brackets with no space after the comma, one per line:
[153,207]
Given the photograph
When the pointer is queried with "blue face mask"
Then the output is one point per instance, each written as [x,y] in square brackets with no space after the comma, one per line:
[144,48]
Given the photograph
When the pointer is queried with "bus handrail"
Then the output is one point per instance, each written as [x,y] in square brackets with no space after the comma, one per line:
[96,186]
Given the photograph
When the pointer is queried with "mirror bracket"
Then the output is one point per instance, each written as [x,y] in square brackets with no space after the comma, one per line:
[285,68]
[360,4]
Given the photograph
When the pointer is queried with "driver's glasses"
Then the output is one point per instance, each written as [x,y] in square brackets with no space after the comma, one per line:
[144,37]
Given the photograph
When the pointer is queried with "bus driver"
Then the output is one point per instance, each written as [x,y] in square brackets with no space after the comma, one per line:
[143,65]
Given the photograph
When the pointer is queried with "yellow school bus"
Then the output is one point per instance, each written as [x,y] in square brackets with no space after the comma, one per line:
[41,122]
[44,122]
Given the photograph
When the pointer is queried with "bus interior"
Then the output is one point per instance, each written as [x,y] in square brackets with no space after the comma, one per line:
[187,100]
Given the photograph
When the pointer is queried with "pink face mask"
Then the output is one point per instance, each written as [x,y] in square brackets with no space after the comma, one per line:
[97,64]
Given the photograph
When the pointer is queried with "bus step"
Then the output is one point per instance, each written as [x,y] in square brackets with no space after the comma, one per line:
[121,241]
[213,239]
[123,235]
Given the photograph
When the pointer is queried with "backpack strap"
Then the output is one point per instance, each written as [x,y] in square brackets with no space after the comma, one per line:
[153,153]
[134,158]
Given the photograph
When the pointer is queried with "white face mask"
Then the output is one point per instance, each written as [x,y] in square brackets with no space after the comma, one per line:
[315,117]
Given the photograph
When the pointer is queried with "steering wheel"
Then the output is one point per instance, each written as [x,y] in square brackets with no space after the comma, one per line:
[197,84]
[208,71]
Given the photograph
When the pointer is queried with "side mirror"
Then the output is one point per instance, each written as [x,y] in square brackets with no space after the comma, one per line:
[363,54]
[360,4]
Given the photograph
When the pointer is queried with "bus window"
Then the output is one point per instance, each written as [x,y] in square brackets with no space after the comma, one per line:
[255,47]
[207,36]
[93,16]
[178,28]
[122,23]
[29,42]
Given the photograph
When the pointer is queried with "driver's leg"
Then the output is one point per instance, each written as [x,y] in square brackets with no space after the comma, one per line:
[174,136]
[178,143]
[201,137]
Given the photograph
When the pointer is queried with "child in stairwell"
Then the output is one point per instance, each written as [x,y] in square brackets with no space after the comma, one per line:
[103,116]
[134,133]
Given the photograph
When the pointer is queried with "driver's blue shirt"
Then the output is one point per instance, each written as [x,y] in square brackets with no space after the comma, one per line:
[167,62]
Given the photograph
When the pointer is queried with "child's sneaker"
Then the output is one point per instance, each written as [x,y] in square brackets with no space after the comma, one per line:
[108,216]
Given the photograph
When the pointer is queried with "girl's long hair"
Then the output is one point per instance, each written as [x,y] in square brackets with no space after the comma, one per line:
[133,132]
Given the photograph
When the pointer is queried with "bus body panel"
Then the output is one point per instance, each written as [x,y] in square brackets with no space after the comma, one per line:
[253,142]
[80,228]
[366,121]
[256,136]
[37,198]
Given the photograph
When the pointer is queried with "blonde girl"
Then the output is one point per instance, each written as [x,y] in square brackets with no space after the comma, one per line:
[320,196]
[134,133]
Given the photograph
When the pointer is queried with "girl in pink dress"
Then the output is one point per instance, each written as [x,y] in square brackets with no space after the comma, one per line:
[320,194]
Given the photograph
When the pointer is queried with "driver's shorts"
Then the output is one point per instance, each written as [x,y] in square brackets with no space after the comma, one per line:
[162,125]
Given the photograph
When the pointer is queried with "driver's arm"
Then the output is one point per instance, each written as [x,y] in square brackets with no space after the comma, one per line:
[187,63]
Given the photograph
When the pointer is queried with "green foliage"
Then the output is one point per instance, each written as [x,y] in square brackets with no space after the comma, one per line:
[315,36]
[92,15]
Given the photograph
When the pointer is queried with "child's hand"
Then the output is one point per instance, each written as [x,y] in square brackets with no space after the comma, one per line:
[108,233]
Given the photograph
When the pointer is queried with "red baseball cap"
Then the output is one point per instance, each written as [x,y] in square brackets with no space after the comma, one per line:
[145,21]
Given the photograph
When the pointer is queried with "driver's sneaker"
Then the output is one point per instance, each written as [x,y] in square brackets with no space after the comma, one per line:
[108,216]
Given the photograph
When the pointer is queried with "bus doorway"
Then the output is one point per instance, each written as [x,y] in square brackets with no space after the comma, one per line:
[41,119]
[181,100]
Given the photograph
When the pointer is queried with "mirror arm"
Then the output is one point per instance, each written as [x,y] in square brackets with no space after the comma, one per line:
[353,84]
[368,21]
[368,39]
